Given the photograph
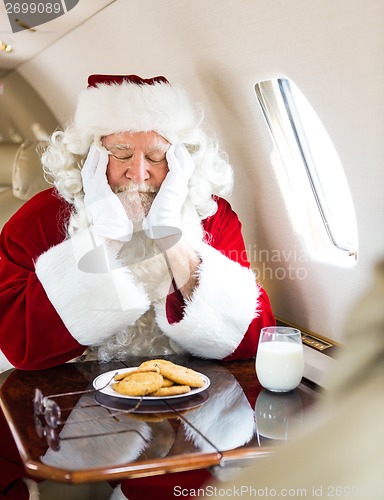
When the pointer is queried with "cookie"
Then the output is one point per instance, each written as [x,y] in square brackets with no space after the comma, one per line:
[121,376]
[177,373]
[154,364]
[167,382]
[174,390]
[139,384]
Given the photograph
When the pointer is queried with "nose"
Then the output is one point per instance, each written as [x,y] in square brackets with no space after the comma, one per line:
[138,169]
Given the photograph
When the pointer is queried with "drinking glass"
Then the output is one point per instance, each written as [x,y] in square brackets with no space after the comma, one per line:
[280,358]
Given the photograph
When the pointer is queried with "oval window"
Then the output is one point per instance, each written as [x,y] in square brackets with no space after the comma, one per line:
[308,153]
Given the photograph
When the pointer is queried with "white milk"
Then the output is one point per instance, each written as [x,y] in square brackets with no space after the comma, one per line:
[279,365]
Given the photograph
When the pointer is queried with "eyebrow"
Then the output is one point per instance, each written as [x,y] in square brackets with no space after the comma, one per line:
[155,147]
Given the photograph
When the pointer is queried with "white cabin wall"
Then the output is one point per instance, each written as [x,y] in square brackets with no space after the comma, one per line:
[218,49]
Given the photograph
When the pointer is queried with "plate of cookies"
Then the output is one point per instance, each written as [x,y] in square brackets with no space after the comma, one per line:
[152,380]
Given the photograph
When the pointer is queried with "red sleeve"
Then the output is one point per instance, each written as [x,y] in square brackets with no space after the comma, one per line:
[32,335]
[223,232]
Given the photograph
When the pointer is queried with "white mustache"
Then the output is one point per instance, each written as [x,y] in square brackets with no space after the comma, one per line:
[133,187]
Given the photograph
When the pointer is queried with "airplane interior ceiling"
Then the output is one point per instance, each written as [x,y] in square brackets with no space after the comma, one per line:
[29,42]
[219,49]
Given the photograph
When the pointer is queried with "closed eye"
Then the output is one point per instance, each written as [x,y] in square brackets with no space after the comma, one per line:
[155,160]
[122,158]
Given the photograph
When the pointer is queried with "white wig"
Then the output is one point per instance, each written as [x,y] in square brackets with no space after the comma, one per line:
[113,104]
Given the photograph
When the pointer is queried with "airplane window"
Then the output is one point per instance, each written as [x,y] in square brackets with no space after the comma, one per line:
[311,162]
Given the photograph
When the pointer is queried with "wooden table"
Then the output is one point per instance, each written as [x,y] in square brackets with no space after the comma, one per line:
[234,422]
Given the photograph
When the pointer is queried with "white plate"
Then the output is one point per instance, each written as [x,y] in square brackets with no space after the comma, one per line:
[104,378]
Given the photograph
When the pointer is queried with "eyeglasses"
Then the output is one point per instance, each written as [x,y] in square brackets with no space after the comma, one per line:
[46,406]
[48,410]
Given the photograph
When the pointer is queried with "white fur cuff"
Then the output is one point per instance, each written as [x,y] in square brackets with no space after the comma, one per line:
[220,311]
[92,305]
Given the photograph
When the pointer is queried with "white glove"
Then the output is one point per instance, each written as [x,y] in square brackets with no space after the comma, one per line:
[164,217]
[108,215]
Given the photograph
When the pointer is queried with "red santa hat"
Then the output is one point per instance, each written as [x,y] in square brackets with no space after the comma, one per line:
[114,103]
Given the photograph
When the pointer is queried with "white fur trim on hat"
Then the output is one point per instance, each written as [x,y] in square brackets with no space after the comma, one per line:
[129,107]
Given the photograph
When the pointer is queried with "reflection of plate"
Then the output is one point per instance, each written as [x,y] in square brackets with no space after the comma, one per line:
[101,384]
[152,406]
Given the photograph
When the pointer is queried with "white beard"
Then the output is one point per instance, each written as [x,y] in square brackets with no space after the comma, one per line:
[141,255]
[144,259]
[136,200]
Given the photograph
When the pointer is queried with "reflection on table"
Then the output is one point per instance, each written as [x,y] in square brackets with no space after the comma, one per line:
[100,437]
[278,416]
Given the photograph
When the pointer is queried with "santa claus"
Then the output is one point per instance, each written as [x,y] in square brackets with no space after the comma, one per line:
[134,250]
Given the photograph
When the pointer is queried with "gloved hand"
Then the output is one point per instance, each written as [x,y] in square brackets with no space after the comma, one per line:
[164,217]
[108,215]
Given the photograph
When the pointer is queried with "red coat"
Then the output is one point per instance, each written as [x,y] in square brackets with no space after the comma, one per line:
[32,333]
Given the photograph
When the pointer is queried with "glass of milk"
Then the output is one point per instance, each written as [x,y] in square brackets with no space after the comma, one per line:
[280,358]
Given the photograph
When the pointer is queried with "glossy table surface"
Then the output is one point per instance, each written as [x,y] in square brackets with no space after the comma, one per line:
[231,423]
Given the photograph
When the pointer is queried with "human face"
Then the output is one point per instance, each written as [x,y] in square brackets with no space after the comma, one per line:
[136,158]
